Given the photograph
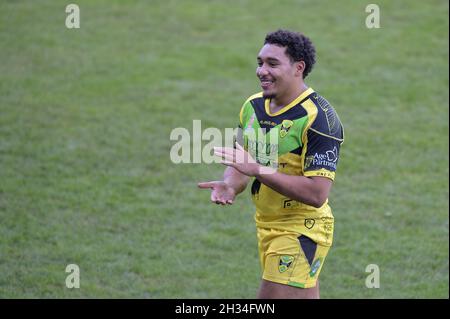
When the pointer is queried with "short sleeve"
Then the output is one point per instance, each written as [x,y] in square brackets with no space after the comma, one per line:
[322,155]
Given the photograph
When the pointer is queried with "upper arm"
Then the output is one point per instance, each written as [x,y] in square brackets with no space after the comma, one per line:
[322,155]
[323,142]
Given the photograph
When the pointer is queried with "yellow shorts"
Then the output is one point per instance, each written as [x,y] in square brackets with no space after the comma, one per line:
[290,258]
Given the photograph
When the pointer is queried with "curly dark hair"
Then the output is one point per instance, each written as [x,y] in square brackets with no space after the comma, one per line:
[298,47]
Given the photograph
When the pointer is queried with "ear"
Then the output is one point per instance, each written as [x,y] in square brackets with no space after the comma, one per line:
[300,68]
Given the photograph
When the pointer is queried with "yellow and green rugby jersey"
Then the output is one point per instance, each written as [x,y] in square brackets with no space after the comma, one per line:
[303,138]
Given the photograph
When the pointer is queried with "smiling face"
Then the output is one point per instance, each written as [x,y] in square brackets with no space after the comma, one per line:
[279,76]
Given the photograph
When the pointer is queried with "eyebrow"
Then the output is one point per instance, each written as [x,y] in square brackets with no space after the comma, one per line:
[268,59]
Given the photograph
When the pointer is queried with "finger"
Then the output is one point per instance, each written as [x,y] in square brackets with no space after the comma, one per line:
[219,149]
[225,150]
[228,163]
[206,184]
[223,201]
[227,157]
[226,160]
[219,154]
[223,153]
[239,147]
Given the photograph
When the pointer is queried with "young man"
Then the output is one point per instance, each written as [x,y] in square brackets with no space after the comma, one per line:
[293,219]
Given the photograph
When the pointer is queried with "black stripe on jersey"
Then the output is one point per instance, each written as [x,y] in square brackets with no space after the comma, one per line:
[327,121]
[297,151]
[294,113]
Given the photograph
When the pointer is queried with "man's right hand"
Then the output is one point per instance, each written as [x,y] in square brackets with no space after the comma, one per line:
[221,192]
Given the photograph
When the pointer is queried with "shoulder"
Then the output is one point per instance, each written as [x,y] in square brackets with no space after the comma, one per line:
[326,120]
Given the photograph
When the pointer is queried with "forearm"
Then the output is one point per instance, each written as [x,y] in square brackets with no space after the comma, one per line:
[299,188]
[235,179]
[309,190]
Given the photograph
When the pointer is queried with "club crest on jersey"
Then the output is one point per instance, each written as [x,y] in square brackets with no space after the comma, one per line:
[285,263]
[285,127]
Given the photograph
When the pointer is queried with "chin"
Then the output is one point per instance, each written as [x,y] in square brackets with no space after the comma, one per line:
[269,95]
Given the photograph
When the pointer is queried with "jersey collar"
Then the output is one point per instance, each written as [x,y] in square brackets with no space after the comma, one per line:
[290,105]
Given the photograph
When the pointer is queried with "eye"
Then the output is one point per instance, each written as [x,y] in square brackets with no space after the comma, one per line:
[259,63]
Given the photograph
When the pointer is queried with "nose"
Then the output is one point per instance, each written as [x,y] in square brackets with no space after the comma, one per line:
[261,71]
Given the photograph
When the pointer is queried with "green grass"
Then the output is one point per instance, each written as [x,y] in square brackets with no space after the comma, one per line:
[85,119]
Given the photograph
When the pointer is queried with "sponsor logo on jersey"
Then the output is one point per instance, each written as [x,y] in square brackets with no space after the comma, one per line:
[270,123]
[262,147]
[332,155]
[329,159]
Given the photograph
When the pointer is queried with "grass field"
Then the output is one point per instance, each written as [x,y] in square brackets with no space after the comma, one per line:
[85,119]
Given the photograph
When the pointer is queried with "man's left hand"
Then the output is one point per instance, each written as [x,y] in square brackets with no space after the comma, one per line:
[239,159]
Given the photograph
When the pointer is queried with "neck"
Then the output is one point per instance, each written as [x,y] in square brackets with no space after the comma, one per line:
[279,102]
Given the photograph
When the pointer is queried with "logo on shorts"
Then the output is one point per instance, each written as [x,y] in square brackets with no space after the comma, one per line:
[315,267]
[285,263]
